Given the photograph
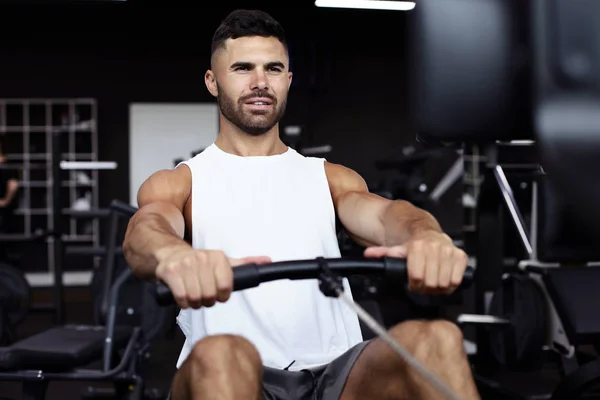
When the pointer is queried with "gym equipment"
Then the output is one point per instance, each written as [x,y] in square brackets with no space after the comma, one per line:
[567,118]
[529,74]
[329,272]
[522,302]
[59,353]
[193,154]
[137,306]
[407,178]
[517,320]
[56,234]
[294,138]
[568,101]
[14,300]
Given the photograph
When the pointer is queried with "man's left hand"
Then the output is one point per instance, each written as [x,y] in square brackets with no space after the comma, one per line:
[435,265]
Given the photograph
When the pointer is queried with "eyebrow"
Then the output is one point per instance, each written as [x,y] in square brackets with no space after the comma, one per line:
[245,64]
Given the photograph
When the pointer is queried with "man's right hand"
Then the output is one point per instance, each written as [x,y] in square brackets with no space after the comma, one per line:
[200,278]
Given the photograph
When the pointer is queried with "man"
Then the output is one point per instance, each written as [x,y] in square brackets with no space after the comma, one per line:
[9,188]
[248,198]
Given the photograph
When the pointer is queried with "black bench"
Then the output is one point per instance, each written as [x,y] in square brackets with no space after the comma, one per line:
[575,293]
[62,353]
[60,349]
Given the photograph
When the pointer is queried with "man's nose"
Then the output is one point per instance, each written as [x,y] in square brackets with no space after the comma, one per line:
[259,81]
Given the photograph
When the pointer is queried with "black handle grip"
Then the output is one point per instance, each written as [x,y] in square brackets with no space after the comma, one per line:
[468,277]
[395,271]
[244,277]
[163,295]
[252,275]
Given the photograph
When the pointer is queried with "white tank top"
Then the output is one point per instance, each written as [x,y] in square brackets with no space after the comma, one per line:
[279,206]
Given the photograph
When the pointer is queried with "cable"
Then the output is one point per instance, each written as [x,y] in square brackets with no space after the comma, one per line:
[382,333]
[331,285]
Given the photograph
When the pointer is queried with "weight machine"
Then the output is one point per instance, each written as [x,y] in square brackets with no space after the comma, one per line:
[525,88]
[62,353]
[56,233]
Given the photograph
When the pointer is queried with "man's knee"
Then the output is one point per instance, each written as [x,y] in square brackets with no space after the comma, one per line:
[225,351]
[224,365]
[427,337]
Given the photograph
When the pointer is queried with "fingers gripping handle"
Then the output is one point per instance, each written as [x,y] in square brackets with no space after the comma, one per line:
[396,271]
[244,277]
[249,275]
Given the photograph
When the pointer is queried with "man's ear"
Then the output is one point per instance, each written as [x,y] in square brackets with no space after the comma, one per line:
[211,83]
[290,75]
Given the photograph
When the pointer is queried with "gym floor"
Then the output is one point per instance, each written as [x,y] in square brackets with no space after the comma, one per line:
[78,310]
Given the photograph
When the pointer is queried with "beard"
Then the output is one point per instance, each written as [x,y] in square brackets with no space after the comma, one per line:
[254,123]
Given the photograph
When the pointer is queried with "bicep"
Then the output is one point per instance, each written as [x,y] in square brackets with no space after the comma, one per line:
[164,194]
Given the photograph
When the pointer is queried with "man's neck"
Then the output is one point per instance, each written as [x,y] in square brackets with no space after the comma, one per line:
[236,142]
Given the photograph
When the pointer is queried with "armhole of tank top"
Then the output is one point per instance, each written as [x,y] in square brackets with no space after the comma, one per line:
[335,221]
[188,236]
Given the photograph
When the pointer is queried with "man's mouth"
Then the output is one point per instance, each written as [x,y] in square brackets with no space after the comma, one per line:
[259,104]
[259,101]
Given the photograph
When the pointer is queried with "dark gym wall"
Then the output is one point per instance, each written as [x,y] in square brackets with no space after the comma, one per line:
[350,91]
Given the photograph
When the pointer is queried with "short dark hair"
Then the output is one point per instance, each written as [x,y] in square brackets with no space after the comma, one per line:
[242,23]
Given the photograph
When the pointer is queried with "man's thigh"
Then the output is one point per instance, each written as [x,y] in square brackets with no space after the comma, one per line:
[331,380]
[323,383]
[279,384]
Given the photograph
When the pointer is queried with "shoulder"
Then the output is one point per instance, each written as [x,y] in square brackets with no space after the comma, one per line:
[342,179]
[169,185]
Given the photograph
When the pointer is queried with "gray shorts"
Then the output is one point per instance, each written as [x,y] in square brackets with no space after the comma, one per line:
[322,383]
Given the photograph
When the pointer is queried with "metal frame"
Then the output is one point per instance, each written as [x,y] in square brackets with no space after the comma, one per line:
[35,381]
[513,208]
[46,129]
[453,175]
[557,338]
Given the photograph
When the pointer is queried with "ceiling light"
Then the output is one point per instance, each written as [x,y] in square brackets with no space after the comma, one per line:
[367,4]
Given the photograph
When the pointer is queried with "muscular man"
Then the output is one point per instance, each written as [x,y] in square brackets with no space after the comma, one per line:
[249,198]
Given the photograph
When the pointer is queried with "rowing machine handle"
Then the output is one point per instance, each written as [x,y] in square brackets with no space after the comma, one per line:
[245,277]
[248,276]
[395,271]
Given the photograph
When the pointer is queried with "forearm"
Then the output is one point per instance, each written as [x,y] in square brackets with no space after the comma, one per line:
[150,236]
[12,188]
[8,198]
[401,221]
